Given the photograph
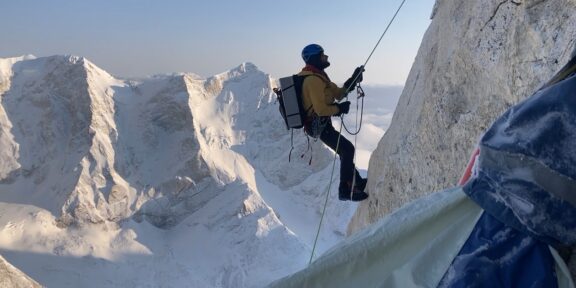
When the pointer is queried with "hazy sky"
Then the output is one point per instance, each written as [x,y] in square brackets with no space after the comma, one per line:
[143,37]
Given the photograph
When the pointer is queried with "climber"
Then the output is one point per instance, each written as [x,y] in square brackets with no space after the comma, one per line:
[318,98]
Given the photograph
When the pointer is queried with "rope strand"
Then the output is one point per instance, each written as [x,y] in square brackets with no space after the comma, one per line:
[383,33]
[326,201]
[340,132]
[361,94]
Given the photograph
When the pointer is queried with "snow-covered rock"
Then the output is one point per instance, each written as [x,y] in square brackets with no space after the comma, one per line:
[101,178]
[11,277]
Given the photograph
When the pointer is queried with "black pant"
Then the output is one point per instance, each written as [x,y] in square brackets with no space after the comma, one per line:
[345,150]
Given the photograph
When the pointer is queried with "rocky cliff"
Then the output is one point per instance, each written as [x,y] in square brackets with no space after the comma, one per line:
[477,58]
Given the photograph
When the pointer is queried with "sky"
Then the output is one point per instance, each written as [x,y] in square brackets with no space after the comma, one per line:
[137,38]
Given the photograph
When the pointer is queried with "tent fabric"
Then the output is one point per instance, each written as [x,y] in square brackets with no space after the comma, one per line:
[412,247]
[498,256]
[562,271]
[525,180]
[526,176]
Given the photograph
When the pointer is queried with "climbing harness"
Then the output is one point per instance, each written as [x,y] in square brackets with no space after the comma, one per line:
[316,125]
[340,132]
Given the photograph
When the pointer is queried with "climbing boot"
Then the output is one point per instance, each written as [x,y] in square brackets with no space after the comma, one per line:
[361,184]
[345,193]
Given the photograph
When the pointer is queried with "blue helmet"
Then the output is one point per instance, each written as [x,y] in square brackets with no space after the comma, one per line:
[311,50]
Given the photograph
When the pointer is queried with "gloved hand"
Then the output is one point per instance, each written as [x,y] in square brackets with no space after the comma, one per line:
[356,78]
[343,108]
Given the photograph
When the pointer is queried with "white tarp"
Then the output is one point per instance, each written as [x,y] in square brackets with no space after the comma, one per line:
[413,247]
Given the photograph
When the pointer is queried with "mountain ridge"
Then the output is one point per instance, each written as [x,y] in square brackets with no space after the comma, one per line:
[172,172]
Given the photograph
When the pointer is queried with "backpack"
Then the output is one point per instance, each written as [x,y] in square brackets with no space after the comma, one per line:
[290,99]
[289,96]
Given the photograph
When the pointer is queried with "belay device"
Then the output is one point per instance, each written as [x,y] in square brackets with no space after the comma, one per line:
[290,99]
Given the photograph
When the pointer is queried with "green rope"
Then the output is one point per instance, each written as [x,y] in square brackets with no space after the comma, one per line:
[326,201]
[340,134]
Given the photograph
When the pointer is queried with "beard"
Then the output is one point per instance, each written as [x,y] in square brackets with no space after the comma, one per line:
[317,62]
[324,65]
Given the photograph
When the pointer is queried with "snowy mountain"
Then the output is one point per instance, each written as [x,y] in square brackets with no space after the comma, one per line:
[168,181]
[14,278]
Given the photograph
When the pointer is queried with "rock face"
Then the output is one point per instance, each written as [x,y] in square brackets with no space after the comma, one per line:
[477,59]
[11,277]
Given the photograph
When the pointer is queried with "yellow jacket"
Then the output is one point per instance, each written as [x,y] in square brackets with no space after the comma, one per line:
[319,93]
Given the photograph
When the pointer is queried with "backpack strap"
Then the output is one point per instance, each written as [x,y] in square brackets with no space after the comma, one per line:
[291,144]
[309,148]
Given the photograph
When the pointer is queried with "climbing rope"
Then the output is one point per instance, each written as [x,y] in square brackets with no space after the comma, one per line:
[326,200]
[361,95]
[383,33]
[340,133]
[359,126]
